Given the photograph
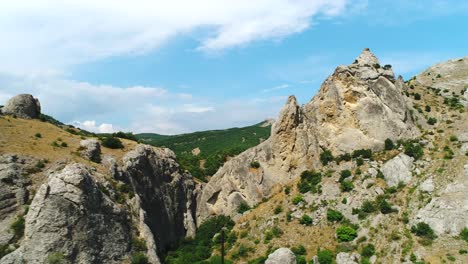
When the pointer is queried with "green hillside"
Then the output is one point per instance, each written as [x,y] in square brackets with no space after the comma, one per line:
[215,146]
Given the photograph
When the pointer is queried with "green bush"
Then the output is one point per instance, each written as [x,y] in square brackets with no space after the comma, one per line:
[305,220]
[417,96]
[243,207]
[431,121]
[368,251]
[413,150]
[278,209]
[138,244]
[326,156]
[112,143]
[346,233]
[363,153]
[464,234]
[346,186]
[309,181]
[56,258]
[64,144]
[368,207]
[139,258]
[299,250]
[344,174]
[38,135]
[301,260]
[453,138]
[427,108]
[359,162]
[297,199]
[385,207]
[389,144]
[325,256]
[254,164]
[334,216]
[422,229]
[18,227]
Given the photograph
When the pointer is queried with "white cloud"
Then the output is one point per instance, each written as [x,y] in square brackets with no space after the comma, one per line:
[276,88]
[43,37]
[90,125]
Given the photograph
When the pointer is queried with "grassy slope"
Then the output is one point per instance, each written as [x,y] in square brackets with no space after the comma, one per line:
[215,146]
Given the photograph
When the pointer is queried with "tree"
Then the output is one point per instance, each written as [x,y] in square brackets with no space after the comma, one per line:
[346,233]
[112,143]
[325,256]
[389,144]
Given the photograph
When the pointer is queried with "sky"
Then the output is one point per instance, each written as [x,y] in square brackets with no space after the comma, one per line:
[172,67]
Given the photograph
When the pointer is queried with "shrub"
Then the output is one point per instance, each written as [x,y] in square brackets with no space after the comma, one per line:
[138,244]
[368,251]
[334,216]
[40,164]
[389,144]
[464,234]
[422,229]
[297,199]
[309,181]
[139,258]
[453,138]
[346,186]
[427,108]
[18,226]
[368,207]
[254,164]
[55,258]
[346,233]
[64,144]
[306,220]
[417,96]
[287,189]
[112,143]
[301,260]
[243,207]
[299,250]
[38,135]
[385,207]
[344,174]
[325,256]
[431,121]
[326,156]
[359,162]
[413,150]
[363,153]
[278,209]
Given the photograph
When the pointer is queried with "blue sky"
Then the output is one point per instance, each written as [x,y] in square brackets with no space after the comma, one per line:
[155,66]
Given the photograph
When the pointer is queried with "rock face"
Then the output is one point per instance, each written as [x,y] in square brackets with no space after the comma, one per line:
[166,198]
[347,258]
[398,170]
[91,149]
[23,106]
[281,256]
[71,217]
[358,106]
[448,213]
[13,194]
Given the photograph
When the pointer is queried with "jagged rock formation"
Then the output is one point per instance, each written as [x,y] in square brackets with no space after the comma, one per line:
[358,106]
[13,193]
[91,150]
[70,216]
[281,256]
[23,106]
[166,198]
[398,170]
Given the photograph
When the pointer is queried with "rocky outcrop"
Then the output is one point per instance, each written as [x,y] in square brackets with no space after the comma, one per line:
[358,106]
[348,258]
[398,170]
[23,106]
[70,217]
[281,256]
[166,198]
[13,193]
[448,212]
[91,150]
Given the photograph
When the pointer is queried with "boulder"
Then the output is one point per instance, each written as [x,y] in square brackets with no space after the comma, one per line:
[348,258]
[72,218]
[281,256]
[427,186]
[398,170]
[91,150]
[23,106]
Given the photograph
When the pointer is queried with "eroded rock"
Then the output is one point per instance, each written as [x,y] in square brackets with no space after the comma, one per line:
[281,256]
[23,106]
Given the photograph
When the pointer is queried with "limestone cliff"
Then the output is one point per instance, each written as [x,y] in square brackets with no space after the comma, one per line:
[358,106]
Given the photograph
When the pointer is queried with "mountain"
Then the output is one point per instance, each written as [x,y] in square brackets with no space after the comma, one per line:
[203,153]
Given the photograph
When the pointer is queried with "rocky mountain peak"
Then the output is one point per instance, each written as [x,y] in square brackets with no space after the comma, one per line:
[367,57]
[289,117]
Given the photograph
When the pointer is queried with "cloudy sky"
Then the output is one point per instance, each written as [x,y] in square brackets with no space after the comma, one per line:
[179,66]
